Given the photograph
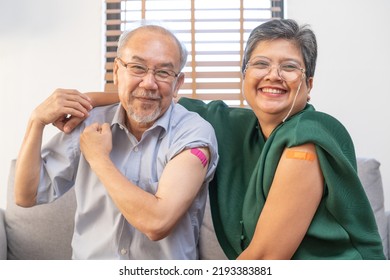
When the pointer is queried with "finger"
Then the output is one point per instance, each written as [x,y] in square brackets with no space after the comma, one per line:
[71,124]
[75,109]
[74,92]
[105,127]
[85,101]
[73,99]
[59,125]
[60,122]
[93,127]
[86,97]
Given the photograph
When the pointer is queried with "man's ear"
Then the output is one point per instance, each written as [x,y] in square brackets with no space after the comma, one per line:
[179,83]
[115,72]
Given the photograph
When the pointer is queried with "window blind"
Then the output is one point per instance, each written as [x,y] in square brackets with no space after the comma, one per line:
[214,32]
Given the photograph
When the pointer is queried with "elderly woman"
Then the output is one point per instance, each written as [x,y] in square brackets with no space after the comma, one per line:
[286,185]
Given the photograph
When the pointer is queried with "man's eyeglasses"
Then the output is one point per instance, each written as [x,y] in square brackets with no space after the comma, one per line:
[140,70]
[287,71]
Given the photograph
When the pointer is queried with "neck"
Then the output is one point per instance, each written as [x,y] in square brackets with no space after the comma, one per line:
[268,124]
[267,130]
[136,128]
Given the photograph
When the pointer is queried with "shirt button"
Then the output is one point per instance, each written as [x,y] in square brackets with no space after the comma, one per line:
[136,149]
[123,251]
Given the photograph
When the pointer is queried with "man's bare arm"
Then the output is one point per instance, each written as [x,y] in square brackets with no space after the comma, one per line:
[59,105]
[153,214]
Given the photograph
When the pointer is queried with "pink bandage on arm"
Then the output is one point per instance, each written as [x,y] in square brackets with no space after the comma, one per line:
[200,155]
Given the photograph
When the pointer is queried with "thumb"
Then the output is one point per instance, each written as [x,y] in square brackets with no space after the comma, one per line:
[106,127]
[72,123]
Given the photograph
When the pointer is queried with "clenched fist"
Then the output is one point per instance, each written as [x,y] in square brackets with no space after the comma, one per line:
[96,142]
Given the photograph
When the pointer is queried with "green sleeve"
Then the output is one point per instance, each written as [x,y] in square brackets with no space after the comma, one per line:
[239,145]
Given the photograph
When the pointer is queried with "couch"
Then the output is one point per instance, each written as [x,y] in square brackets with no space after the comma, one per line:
[45,231]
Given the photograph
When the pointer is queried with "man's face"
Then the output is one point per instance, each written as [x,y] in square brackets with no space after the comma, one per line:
[144,93]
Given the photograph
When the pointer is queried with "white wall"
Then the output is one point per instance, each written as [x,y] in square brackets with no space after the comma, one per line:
[44,45]
[352,74]
[351,79]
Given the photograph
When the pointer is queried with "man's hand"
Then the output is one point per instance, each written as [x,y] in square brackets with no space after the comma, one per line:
[68,123]
[96,142]
[62,107]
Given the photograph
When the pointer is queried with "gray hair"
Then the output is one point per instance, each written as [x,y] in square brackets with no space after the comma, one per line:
[288,29]
[154,26]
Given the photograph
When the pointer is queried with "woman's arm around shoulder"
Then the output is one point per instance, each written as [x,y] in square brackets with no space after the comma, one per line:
[96,99]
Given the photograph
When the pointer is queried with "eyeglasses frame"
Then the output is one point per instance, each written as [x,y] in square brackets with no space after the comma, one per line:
[303,71]
[170,73]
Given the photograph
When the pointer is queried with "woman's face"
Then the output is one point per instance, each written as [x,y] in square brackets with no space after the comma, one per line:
[267,93]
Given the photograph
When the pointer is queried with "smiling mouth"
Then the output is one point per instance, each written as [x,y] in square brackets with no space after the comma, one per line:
[273,90]
[147,99]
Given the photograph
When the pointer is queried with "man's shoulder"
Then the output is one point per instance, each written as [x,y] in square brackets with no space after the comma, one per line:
[185,123]
[181,115]
[102,113]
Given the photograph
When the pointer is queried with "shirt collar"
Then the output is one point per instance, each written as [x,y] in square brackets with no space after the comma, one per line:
[163,121]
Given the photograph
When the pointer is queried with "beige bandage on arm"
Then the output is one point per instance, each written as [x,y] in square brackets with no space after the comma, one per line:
[294,154]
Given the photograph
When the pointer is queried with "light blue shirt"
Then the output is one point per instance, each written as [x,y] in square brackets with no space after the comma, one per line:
[101,231]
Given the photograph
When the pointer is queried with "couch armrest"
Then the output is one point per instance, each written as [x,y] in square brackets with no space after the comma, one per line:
[3,237]
[388,229]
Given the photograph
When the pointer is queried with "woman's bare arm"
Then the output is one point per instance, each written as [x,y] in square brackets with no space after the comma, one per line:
[293,199]
[97,99]
[102,98]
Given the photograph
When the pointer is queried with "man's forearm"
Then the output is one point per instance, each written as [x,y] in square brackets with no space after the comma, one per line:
[28,165]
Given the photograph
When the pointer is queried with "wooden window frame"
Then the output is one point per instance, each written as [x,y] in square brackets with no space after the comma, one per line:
[229,91]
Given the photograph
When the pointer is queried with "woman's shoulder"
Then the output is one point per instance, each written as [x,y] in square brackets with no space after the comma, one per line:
[320,121]
[317,127]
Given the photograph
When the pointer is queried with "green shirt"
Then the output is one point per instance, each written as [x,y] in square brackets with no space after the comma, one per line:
[343,227]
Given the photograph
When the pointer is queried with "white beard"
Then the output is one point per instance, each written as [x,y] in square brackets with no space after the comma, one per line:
[142,119]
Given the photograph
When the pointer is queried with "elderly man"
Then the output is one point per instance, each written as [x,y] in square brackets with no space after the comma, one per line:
[140,168]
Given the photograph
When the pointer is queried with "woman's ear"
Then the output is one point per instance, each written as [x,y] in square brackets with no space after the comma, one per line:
[309,87]
[309,84]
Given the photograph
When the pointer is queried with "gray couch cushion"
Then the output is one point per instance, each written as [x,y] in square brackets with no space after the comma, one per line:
[3,237]
[41,232]
[209,248]
[370,176]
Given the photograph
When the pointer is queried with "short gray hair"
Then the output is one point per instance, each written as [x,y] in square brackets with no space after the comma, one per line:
[288,29]
[152,25]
